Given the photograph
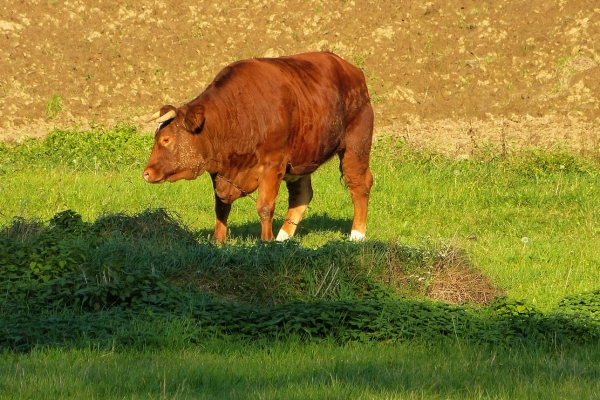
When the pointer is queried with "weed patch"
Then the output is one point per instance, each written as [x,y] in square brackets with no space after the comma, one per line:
[96,150]
[125,279]
[538,164]
[455,281]
[54,106]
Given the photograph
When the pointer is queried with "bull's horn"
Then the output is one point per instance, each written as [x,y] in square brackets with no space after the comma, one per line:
[156,116]
[168,116]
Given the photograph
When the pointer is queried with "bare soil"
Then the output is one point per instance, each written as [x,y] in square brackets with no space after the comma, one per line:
[454,75]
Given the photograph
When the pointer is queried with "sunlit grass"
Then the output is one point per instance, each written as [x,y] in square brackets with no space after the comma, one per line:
[488,211]
[54,106]
[485,207]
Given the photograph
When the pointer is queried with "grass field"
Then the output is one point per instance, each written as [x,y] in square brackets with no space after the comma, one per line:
[529,221]
[292,370]
[130,301]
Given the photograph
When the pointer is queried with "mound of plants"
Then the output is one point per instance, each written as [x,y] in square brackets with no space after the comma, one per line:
[136,279]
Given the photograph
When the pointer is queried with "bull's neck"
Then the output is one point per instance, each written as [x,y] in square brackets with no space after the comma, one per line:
[205,142]
[211,140]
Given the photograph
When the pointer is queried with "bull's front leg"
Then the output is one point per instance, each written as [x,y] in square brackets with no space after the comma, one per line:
[222,211]
[268,188]
[224,196]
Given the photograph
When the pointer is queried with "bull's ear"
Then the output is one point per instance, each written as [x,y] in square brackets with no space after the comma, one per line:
[194,119]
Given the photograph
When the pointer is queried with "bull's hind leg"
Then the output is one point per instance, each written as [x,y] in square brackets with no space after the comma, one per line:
[359,179]
[354,163]
[300,195]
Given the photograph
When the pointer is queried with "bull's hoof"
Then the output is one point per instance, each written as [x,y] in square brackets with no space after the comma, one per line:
[356,235]
[282,236]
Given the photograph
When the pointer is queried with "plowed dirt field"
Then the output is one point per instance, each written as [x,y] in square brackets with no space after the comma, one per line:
[458,76]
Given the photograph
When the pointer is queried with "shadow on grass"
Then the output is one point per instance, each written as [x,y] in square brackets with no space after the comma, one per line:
[292,369]
[321,223]
[144,280]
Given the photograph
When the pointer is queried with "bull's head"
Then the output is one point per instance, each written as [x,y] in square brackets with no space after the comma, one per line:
[178,151]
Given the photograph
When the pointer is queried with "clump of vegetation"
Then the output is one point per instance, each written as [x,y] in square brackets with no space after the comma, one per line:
[54,106]
[537,164]
[95,150]
[454,280]
[70,281]
[117,247]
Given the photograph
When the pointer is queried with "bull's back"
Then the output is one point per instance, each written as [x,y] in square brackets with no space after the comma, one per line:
[300,105]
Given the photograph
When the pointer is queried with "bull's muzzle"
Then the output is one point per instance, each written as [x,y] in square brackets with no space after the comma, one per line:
[150,175]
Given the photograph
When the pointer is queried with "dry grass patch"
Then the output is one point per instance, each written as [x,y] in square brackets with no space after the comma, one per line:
[454,281]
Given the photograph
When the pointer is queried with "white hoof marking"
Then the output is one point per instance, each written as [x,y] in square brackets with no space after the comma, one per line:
[356,235]
[282,236]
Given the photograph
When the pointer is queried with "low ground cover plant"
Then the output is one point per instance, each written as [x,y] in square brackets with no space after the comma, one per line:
[72,282]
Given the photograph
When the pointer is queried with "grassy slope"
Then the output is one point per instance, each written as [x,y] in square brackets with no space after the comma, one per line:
[529,222]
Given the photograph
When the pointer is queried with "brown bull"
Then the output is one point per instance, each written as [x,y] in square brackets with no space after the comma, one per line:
[267,120]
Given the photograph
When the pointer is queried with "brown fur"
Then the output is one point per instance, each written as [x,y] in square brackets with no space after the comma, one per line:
[265,120]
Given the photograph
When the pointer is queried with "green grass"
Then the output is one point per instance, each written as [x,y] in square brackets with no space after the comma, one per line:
[295,370]
[497,204]
[130,300]
[54,106]
[485,206]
